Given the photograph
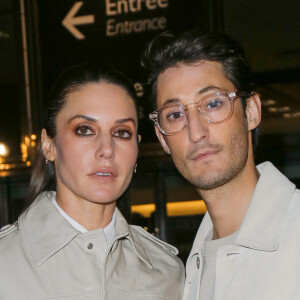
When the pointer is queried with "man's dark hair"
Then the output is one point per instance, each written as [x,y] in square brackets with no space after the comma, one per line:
[167,51]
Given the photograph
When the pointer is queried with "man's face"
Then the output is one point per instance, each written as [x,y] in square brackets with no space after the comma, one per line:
[207,155]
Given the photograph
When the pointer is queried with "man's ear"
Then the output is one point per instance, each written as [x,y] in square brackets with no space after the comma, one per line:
[48,146]
[253,111]
[162,140]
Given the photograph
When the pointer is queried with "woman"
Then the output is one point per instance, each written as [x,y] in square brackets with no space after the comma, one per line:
[72,242]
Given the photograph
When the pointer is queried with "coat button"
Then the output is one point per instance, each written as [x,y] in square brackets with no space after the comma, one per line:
[90,246]
[198,262]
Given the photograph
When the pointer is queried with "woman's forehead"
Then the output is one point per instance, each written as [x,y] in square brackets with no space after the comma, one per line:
[99,100]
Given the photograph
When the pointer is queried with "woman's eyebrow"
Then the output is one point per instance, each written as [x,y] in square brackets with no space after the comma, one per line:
[90,119]
[121,121]
[93,120]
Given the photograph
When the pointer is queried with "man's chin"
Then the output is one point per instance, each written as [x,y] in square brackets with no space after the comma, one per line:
[208,181]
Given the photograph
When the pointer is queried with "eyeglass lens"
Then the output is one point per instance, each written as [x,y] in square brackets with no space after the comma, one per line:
[214,108]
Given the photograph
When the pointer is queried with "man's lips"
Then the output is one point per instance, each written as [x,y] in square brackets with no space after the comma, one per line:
[204,154]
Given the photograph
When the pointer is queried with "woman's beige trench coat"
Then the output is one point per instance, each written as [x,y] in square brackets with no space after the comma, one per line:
[43,257]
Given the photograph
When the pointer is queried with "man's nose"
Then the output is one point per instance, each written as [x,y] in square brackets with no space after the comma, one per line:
[197,127]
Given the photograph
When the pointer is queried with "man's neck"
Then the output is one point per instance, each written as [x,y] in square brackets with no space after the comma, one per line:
[227,205]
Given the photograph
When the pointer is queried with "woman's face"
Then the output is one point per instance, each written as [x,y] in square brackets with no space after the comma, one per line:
[95,149]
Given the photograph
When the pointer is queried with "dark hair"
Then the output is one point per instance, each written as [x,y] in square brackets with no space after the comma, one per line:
[71,80]
[167,50]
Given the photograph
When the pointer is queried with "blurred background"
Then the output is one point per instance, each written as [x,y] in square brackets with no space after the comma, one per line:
[39,38]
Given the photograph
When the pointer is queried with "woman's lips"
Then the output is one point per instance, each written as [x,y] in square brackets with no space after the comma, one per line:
[104,174]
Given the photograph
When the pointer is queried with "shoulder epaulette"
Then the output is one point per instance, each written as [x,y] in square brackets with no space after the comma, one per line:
[7,229]
[156,240]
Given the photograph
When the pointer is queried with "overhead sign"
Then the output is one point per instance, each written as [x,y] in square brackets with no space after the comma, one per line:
[115,9]
[70,21]
[109,32]
[119,8]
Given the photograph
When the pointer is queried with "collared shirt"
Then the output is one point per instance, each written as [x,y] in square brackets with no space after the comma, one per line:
[109,230]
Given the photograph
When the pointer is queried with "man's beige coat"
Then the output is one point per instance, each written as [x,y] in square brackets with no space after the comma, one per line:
[43,257]
[264,261]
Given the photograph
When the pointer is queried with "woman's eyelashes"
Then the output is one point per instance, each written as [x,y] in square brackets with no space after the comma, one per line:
[123,133]
[85,130]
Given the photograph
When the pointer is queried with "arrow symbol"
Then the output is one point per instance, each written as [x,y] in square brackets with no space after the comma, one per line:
[70,20]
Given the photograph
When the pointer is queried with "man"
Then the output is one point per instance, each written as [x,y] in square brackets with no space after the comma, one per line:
[248,244]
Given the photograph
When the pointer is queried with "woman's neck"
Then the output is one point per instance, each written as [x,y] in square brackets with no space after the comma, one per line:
[89,214]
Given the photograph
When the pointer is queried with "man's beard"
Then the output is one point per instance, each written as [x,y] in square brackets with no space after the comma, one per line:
[235,162]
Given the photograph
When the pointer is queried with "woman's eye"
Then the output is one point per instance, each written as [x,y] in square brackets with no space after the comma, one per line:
[123,133]
[84,130]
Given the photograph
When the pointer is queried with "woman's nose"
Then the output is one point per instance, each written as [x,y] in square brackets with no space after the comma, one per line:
[105,147]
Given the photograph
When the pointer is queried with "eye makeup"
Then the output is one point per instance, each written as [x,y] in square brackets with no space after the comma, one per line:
[123,133]
[84,130]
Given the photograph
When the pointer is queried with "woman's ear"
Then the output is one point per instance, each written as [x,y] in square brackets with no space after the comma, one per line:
[253,111]
[162,140]
[48,146]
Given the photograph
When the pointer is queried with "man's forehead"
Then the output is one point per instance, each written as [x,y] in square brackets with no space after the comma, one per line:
[181,67]
[191,79]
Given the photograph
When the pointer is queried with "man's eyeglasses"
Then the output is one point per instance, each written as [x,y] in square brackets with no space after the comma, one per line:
[213,108]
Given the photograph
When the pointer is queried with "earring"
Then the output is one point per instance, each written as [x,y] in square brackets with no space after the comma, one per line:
[47,161]
[135,168]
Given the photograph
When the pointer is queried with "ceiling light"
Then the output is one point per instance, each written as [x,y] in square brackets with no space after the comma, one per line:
[279,109]
[268,102]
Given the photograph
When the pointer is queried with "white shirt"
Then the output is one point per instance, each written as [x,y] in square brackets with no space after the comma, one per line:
[208,279]
[109,230]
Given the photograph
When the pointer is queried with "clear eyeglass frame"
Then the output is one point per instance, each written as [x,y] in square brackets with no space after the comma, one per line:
[231,96]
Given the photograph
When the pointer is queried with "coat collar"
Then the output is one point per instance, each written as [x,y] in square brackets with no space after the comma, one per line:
[123,230]
[262,226]
[45,231]
[266,214]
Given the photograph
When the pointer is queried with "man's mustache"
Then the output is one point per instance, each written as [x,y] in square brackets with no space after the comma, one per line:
[202,148]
